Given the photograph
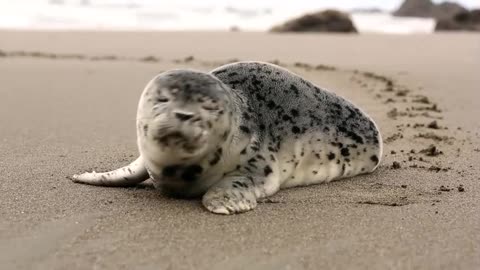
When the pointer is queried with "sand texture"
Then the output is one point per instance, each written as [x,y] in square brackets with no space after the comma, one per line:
[68,104]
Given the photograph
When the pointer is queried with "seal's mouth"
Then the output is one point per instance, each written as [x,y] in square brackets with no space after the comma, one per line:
[171,138]
[189,140]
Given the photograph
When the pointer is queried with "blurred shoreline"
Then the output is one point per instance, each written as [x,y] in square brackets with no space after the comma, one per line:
[180,17]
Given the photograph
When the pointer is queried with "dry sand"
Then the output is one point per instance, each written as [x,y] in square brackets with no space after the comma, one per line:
[68,103]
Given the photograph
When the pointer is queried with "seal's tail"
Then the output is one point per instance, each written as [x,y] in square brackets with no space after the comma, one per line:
[130,175]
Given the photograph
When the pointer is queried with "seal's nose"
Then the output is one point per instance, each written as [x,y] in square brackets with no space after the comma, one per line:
[183,116]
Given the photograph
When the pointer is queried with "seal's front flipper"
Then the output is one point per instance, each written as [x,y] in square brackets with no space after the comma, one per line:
[236,194]
[129,175]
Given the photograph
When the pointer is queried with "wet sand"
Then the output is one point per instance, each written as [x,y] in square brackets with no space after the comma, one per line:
[68,103]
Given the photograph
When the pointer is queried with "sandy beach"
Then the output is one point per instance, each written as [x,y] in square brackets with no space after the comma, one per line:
[68,104]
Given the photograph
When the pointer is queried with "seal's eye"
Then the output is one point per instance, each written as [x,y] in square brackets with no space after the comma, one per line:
[210,107]
[162,99]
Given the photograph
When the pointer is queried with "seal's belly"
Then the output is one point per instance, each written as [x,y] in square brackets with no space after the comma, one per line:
[314,159]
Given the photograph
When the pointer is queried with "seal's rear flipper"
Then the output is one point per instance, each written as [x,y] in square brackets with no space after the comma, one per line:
[129,175]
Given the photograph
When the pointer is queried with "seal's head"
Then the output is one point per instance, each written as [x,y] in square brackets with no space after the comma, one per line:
[182,116]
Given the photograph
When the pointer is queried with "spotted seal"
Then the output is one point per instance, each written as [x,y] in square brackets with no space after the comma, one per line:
[242,132]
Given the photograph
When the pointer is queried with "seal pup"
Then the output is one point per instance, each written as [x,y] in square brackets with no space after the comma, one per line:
[242,132]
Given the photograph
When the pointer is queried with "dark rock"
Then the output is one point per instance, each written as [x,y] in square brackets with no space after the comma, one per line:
[433,125]
[396,165]
[444,188]
[431,151]
[428,9]
[463,21]
[323,21]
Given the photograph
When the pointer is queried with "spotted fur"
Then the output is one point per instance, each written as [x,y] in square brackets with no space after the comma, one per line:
[245,130]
